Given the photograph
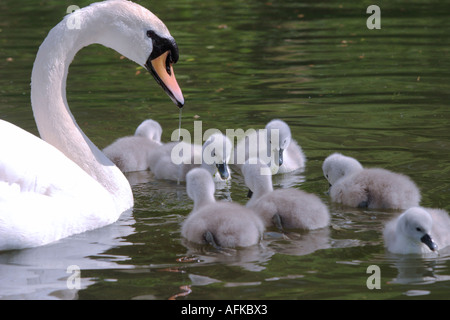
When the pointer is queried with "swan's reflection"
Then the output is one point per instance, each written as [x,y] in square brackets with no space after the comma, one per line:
[41,273]
[250,258]
[416,269]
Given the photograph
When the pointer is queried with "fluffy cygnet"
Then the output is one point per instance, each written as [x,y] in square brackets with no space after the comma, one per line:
[418,230]
[174,160]
[355,186]
[219,223]
[285,208]
[132,153]
[283,154]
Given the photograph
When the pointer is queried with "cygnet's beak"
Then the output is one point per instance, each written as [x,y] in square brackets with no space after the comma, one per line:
[429,242]
[249,194]
[329,188]
[280,157]
[223,171]
[162,70]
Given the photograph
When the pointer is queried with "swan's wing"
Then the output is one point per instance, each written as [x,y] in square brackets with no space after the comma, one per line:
[44,196]
[34,165]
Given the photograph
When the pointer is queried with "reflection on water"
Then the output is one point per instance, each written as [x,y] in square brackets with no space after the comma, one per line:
[378,95]
[42,273]
[415,270]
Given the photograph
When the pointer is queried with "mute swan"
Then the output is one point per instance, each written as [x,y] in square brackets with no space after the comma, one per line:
[63,184]
[219,223]
[353,185]
[174,160]
[285,208]
[132,153]
[418,230]
[285,153]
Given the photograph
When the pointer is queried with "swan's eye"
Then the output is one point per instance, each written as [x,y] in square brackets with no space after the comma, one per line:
[163,46]
[419,229]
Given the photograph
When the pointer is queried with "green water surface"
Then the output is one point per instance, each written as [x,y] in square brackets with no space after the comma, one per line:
[379,95]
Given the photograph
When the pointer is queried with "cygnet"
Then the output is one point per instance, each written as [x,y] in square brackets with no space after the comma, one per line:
[222,224]
[131,153]
[355,186]
[274,146]
[172,161]
[284,208]
[417,231]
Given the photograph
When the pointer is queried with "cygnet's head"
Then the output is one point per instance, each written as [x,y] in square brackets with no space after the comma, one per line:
[216,155]
[149,129]
[136,33]
[337,165]
[200,185]
[415,224]
[278,138]
[257,177]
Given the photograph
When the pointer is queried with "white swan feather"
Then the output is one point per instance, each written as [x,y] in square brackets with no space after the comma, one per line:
[63,184]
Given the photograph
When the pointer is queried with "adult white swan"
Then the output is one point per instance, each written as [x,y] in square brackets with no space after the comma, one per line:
[65,185]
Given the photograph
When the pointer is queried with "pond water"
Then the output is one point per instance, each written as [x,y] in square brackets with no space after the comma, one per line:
[379,95]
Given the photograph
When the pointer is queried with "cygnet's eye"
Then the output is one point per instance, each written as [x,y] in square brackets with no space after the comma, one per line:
[419,229]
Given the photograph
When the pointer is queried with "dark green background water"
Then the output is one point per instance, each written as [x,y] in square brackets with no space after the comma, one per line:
[381,96]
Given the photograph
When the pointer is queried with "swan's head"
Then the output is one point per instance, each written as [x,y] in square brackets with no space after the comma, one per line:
[199,185]
[257,177]
[139,35]
[149,129]
[337,165]
[216,155]
[278,139]
[415,224]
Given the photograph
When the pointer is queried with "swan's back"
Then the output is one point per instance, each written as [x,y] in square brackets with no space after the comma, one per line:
[376,188]
[231,224]
[297,209]
[169,162]
[131,153]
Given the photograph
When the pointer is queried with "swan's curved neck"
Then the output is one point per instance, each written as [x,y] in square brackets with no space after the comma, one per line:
[54,120]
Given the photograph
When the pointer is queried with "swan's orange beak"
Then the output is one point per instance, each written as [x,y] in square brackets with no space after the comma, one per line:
[162,70]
